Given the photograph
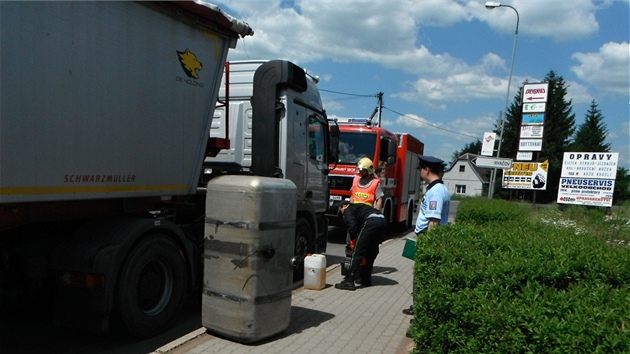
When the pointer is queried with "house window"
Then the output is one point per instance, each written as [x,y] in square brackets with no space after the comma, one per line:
[462,168]
[460,189]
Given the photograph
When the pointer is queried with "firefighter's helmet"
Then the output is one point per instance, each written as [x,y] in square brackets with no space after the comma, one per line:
[366,164]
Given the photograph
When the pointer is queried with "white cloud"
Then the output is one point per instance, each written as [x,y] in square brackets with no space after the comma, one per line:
[559,20]
[386,33]
[380,32]
[390,34]
[608,69]
[461,87]
[464,128]
[578,93]
[332,106]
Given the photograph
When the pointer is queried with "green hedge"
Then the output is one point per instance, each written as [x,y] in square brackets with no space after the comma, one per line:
[480,211]
[499,282]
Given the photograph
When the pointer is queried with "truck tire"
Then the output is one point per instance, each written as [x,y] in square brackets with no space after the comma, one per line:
[152,286]
[303,246]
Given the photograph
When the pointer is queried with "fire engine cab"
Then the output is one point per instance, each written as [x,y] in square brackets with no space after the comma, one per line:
[395,157]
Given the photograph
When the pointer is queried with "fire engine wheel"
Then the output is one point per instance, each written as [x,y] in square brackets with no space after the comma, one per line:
[303,246]
[409,222]
[387,213]
[152,286]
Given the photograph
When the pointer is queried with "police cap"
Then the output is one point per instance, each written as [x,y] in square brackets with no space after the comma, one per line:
[425,160]
[432,162]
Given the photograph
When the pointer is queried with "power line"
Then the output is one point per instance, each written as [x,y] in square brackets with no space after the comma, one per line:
[348,94]
[344,99]
[431,125]
[354,96]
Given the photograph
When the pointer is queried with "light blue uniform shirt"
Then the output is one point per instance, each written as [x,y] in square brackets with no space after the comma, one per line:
[434,205]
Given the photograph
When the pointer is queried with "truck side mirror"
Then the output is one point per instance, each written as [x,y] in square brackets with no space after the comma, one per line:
[333,148]
[389,152]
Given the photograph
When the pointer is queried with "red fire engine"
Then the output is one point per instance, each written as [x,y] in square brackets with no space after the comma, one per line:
[395,157]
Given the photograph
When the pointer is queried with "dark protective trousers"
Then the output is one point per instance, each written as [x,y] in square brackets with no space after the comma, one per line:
[371,235]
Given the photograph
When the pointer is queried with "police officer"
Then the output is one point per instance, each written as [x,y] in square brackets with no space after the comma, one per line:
[368,226]
[435,204]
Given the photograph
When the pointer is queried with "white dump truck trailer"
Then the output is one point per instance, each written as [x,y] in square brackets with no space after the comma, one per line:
[105,109]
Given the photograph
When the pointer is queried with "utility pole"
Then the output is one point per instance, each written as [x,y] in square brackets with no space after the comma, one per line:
[380,107]
[493,173]
[378,110]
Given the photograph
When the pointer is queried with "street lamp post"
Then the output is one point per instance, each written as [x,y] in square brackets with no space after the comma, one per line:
[491,5]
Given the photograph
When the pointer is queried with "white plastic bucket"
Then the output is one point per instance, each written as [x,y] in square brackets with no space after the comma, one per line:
[315,272]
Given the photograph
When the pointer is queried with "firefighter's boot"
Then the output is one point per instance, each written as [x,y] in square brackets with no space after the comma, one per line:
[347,283]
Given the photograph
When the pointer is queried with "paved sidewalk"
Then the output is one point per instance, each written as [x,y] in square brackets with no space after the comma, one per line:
[367,320]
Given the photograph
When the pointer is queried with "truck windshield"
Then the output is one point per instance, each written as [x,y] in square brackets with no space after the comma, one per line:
[354,146]
[316,142]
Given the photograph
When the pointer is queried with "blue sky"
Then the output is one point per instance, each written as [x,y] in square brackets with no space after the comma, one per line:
[443,65]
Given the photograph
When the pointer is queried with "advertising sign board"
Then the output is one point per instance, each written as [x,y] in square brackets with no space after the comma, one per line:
[532,131]
[530,144]
[601,165]
[586,191]
[524,156]
[588,178]
[535,93]
[533,118]
[526,175]
[487,147]
[534,107]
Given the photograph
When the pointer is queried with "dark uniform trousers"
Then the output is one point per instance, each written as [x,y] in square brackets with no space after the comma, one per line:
[368,240]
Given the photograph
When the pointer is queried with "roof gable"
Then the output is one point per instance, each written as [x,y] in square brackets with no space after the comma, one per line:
[482,173]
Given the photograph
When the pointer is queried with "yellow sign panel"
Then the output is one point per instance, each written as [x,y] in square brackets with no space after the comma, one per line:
[526,175]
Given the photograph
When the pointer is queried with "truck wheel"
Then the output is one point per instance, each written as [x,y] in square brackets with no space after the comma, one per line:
[303,246]
[152,286]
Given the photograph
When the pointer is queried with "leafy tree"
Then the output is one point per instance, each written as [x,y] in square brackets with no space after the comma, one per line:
[591,135]
[472,148]
[509,140]
[558,130]
[512,129]
[622,186]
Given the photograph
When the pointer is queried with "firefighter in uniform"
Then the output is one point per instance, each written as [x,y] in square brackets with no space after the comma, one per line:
[366,189]
[367,225]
